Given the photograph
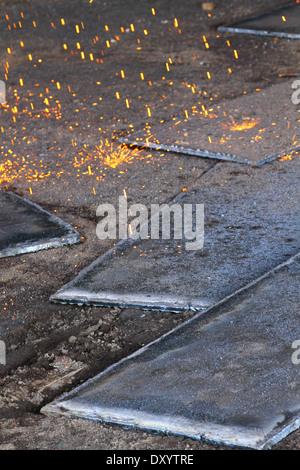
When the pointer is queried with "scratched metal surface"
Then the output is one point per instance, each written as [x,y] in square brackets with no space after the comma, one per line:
[25,227]
[227,376]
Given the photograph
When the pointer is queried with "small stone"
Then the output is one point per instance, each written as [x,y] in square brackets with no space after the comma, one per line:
[91,330]
[105,328]
[72,340]
[37,398]
[7,447]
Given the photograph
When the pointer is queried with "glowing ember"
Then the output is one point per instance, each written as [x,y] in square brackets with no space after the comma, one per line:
[246,124]
[5,170]
[289,156]
[113,154]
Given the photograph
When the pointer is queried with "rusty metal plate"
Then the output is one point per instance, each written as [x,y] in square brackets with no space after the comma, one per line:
[25,227]
[283,22]
[253,129]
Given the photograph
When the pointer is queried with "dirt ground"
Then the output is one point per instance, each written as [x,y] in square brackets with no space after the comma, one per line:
[58,148]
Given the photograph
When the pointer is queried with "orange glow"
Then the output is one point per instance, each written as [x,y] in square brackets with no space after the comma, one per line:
[247,124]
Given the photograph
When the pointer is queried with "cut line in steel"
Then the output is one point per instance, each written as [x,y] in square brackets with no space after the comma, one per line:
[252,129]
[283,22]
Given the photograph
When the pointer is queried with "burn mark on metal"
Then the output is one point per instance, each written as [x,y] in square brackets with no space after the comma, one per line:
[226,376]
[283,22]
[25,227]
